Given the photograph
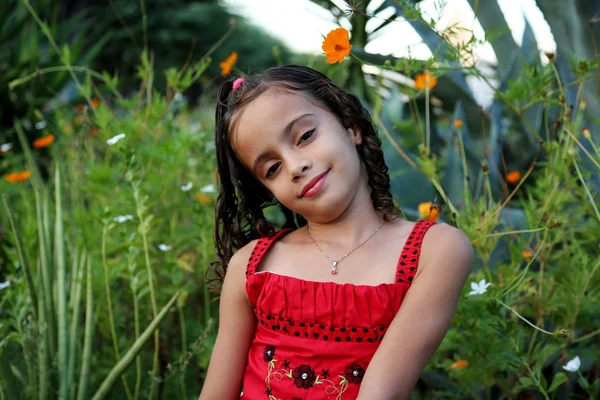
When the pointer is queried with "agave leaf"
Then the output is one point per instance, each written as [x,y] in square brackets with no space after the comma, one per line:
[492,19]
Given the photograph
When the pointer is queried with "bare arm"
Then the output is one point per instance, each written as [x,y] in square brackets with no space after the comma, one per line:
[424,317]
[236,329]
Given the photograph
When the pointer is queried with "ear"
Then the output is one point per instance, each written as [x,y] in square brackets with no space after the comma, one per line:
[355,135]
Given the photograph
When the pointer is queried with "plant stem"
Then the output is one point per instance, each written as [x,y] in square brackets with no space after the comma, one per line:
[184,349]
[120,367]
[111,318]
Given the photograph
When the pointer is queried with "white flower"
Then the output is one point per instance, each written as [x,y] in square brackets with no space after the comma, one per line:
[178,96]
[479,288]
[4,285]
[122,218]
[164,247]
[115,139]
[40,125]
[208,189]
[573,365]
[6,147]
[192,162]
[187,187]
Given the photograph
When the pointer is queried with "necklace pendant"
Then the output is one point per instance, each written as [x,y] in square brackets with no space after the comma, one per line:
[334,268]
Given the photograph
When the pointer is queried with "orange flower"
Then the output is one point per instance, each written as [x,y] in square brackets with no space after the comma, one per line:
[425,80]
[513,177]
[16,177]
[43,142]
[460,364]
[526,254]
[227,65]
[80,108]
[204,198]
[336,45]
[78,119]
[586,132]
[458,124]
[95,103]
[429,211]
[94,131]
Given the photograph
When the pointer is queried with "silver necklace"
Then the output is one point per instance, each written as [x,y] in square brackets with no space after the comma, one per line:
[336,262]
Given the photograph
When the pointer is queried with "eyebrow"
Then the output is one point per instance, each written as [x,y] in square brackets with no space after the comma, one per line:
[266,154]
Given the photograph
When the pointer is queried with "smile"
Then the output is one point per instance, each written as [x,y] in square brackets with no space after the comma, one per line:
[316,186]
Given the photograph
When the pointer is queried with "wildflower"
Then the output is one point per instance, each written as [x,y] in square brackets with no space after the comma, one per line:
[95,103]
[164,247]
[228,63]
[186,188]
[115,139]
[17,177]
[586,132]
[6,147]
[43,142]
[458,124]
[203,198]
[4,285]
[429,211]
[513,177]
[94,131]
[479,288]
[336,45]
[573,365]
[460,364]
[40,125]
[208,189]
[192,162]
[425,80]
[526,254]
[78,119]
[122,218]
[79,108]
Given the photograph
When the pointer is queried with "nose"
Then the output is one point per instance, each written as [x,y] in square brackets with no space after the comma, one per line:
[298,167]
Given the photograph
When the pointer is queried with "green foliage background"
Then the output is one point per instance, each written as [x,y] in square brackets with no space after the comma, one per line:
[104,249]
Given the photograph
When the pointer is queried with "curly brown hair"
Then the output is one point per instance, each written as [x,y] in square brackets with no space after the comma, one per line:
[239,216]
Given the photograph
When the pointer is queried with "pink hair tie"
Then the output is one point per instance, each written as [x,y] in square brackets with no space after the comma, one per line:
[237,83]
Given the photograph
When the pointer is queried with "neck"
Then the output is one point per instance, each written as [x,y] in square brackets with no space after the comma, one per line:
[350,228]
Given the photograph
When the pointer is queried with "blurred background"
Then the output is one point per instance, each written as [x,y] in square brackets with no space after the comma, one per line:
[488,112]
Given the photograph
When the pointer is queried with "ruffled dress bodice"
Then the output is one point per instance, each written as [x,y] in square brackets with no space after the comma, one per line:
[314,340]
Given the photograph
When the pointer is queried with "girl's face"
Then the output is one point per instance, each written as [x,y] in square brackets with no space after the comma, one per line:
[287,142]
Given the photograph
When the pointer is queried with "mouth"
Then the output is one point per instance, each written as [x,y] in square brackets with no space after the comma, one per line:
[313,186]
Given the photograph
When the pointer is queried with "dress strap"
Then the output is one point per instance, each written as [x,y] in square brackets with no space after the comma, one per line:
[261,248]
[409,258]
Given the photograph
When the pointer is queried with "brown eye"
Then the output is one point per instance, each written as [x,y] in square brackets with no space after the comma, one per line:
[307,135]
[271,170]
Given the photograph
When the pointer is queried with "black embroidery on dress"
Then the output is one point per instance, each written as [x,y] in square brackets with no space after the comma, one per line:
[355,373]
[269,353]
[325,374]
[304,376]
[286,364]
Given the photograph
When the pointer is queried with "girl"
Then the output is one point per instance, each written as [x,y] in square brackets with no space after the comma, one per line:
[313,310]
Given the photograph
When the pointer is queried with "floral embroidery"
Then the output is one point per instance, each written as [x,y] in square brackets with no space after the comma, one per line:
[325,373]
[286,364]
[304,376]
[269,353]
[355,373]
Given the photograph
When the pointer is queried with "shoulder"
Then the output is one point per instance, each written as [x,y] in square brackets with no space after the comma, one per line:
[447,246]
[239,260]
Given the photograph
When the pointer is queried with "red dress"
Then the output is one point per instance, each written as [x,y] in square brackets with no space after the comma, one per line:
[314,340]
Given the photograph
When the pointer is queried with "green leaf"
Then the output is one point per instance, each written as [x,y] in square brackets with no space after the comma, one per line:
[558,380]
[583,382]
[66,54]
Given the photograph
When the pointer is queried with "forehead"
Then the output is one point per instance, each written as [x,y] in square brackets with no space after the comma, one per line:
[262,120]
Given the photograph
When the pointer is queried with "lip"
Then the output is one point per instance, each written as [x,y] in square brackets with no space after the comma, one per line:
[312,183]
